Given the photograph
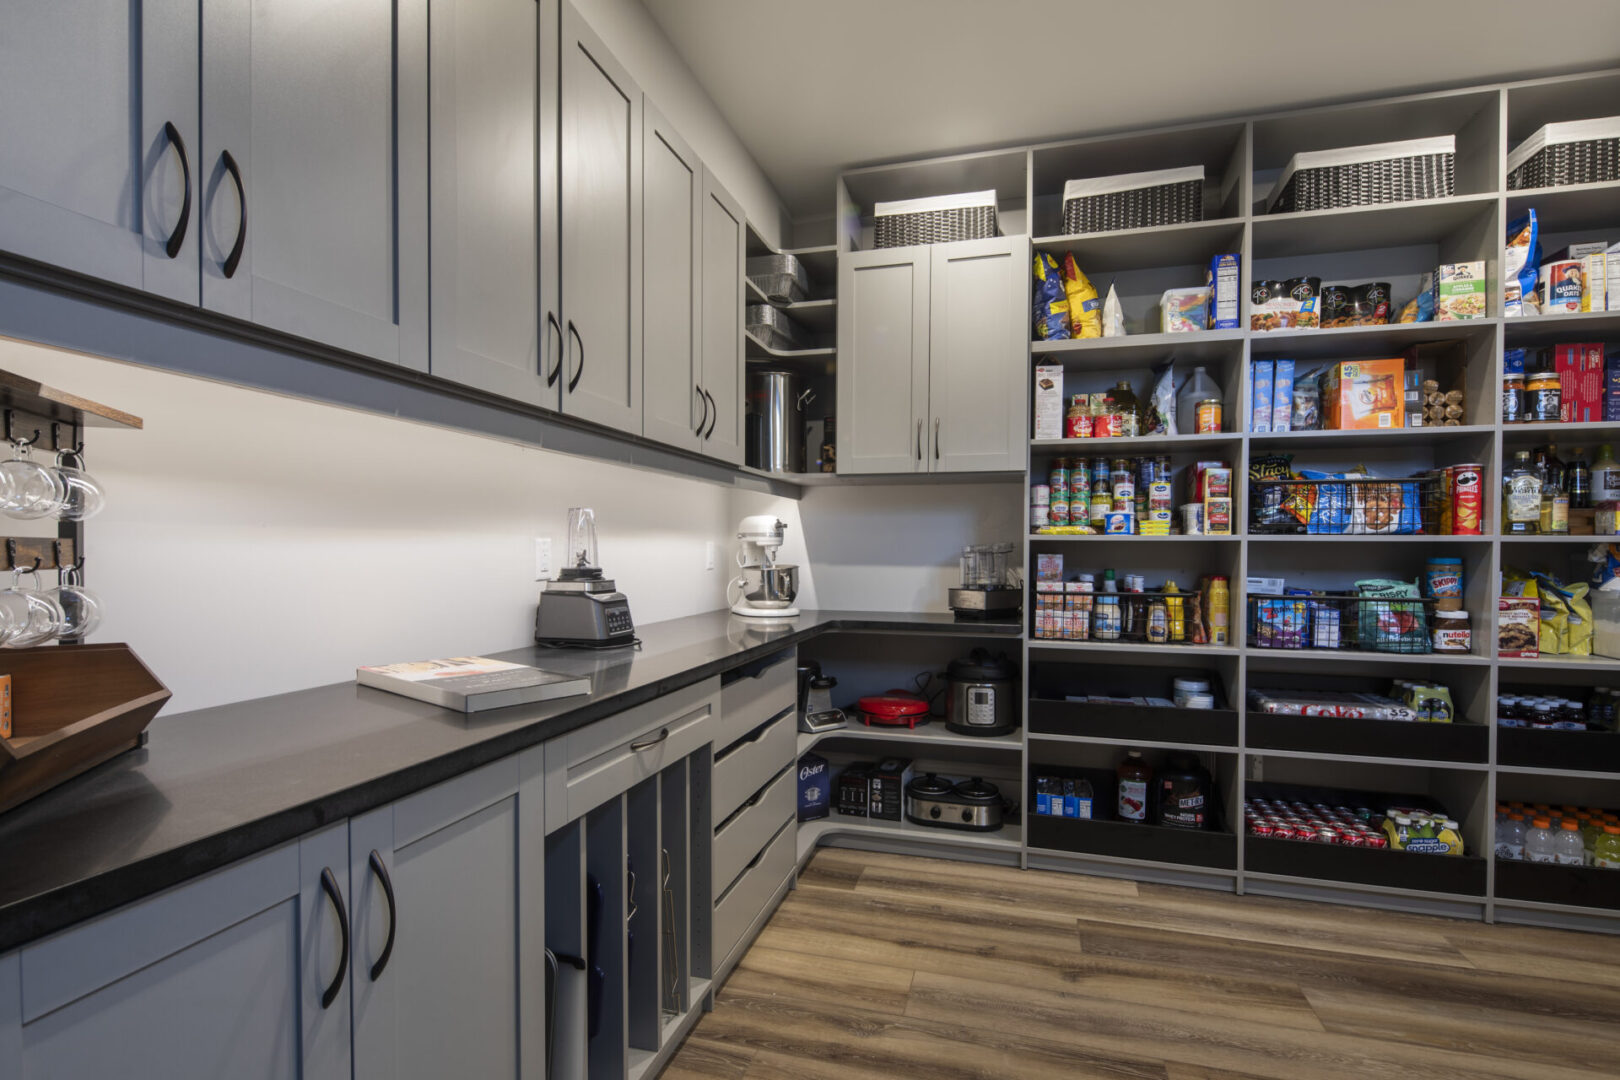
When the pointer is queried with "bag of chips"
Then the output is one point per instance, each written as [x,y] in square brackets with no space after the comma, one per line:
[1566,617]
[1384,624]
[1085,308]
[1519,266]
[1051,302]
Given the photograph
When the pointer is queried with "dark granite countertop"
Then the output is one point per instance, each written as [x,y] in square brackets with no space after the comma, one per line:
[216,785]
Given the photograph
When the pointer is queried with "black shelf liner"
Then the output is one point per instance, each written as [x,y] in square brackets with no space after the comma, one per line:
[1369,738]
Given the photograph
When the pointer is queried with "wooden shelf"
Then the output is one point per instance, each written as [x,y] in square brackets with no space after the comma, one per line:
[37,399]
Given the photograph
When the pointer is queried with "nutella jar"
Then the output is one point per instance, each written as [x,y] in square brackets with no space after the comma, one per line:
[1452,633]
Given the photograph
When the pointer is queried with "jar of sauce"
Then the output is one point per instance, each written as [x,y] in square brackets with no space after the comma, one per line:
[1545,397]
[1513,398]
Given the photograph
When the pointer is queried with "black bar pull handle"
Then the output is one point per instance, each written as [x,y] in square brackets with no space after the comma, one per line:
[714,415]
[936,438]
[178,237]
[919,440]
[234,259]
[553,371]
[647,744]
[703,399]
[381,870]
[573,332]
[330,886]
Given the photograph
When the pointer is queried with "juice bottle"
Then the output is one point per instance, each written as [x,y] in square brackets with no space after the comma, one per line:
[1134,778]
[1607,852]
[1217,607]
[1538,842]
[1568,848]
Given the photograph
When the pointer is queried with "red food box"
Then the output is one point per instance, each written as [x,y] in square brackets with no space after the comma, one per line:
[1580,381]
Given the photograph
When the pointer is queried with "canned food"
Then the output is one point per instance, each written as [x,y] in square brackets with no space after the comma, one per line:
[1040,495]
[1209,416]
[1305,832]
[1284,831]
[1375,840]
[1040,516]
[1106,426]
[1079,506]
[1058,479]
[1467,498]
[1262,828]
[1352,838]
[1327,834]
[1058,512]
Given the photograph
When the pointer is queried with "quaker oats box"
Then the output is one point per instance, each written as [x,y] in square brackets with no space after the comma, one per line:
[1459,291]
[815,788]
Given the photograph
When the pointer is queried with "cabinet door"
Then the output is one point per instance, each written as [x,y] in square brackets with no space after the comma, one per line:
[671,197]
[724,244]
[460,993]
[224,976]
[91,179]
[977,363]
[601,231]
[492,217]
[882,360]
[313,170]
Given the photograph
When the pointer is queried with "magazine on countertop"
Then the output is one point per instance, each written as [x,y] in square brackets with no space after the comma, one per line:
[472,683]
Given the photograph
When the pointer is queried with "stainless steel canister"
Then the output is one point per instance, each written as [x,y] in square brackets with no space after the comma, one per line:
[776,420]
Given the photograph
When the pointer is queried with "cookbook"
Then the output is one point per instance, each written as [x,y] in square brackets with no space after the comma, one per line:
[472,683]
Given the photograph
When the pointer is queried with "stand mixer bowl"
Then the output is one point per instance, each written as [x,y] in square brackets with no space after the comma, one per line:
[770,587]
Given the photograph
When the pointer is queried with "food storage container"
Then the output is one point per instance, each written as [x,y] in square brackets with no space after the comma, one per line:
[1577,152]
[940,219]
[782,278]
[1365,175]
[1134,200]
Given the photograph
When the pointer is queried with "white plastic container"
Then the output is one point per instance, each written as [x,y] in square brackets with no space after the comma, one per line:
[1198,387]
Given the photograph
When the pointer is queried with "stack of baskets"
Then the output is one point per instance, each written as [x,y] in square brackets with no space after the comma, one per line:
[1368,175]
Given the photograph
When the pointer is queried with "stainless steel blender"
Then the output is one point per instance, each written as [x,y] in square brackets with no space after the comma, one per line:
[581,608]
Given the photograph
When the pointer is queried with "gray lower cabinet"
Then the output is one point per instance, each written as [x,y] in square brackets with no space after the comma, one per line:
[931,348]
[448,963]
[600,204]
[724,243]
[235,974]
[492,123]
[312,171]
[100,160]
[674,409]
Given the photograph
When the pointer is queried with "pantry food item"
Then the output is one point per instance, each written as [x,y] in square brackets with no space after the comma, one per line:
[1544,390]
[1288,305]
[1452,633]
[1223,282]
[1364,394]
[1443,582]
[1459,291]
[1182,790]
[1306,414]
[1562,284]
[1260,387]
[1518,627]
[1420,308]
[1348,705]
[1051,302]
[1085,309]
[1134,778]
[1385,624]
[1184,310]
[1049,409]
[1580,381]
[1466,499]
[1113,315]
[1162,406]
[1611,277]
[1356,305]
[1519,265]
[1282,395]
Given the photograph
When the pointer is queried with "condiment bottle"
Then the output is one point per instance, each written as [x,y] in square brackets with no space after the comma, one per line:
[1216,610]
[1123,404]
[1521,498]
[1545,395]
[1158,621]
[1605,477]
[1513,398]
[1579,480]
[1134,778]
[1177,606]
[1554,520]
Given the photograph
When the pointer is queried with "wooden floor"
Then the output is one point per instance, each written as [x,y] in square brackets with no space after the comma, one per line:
[884,966]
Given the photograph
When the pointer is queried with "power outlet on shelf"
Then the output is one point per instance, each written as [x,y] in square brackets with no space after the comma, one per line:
[542,558]
[1257,768]
[711,555]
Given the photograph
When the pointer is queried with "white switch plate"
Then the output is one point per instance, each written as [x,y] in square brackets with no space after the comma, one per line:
[710,555]
[542,558]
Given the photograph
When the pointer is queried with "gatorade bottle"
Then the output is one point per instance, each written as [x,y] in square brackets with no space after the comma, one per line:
[1510,837]
[1568,848]
[1538,842]
[1607,852]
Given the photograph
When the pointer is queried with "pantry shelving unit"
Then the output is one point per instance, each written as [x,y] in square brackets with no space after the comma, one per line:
[1467,765]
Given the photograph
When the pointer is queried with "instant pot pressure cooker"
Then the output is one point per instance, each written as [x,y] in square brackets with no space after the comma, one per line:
[981,694]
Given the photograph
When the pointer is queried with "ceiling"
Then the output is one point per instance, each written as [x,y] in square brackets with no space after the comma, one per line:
[816,86]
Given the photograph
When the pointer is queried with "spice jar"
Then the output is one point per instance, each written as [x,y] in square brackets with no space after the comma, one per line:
[1452,633]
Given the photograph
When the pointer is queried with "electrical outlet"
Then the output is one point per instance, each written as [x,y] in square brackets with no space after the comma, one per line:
[711,555]
[542,558]
[1257,768]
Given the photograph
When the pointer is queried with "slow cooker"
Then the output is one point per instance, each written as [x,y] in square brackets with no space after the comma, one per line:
[981,694]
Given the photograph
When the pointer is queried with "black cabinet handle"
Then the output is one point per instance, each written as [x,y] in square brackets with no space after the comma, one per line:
[553,371]
[235,257]
[573,332]
[178,237]
[381,870]
[919,440]
[936,438]
[648,744]
[330,886]
[714,415]
[703,399]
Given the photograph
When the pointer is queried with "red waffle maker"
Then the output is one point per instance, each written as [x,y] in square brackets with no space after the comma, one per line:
[893,708]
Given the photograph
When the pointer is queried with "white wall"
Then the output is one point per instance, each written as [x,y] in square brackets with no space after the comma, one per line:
[254,544]
[639,43]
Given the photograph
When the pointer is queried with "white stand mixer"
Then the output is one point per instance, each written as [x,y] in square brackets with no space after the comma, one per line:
[767,588]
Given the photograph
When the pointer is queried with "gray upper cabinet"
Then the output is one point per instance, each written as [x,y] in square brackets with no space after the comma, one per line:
[977,355]
[313,170]
[672,407]
[99,140]
[724,244]
[493,195]
[448,964]
[600,204]
[883,360]
[235,974]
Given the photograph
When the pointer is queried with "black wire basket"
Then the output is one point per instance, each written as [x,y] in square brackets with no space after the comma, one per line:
[1340,622]
[1354,507]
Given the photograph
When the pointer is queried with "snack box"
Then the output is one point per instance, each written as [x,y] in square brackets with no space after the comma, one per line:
[1049,409]
[1048,567]
[1611,389]
[1260,373]
[1218,516]
[1459,291]
[1561,283]
[1119,523]
[1364,395]
[1223,281]
[1282,395]
[1580,381]
[1611,274]
[1518,627]
[1217,484]
[1184,310]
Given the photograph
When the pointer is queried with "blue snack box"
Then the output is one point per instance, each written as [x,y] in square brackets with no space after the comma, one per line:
[1260,372]
[1282,395]
[1513,361]
[1223,280]
[815,788]
[1611,388]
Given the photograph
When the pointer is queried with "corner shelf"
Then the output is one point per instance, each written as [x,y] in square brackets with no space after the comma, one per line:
[1009,839]
[933,733]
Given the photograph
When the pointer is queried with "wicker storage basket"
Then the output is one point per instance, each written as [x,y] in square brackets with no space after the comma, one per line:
[772,328]
[1578,152]
[782,278]
[1368,175]
[970,215]
[1133,200]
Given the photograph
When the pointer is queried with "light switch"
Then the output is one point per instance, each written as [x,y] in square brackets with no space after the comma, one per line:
[710,555]
[542,558]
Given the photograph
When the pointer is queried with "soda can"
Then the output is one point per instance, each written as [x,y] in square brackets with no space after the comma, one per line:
[1284,831]
[1327,834]
[1376,840]
[1305,832]
[1262,828]
[1467,498]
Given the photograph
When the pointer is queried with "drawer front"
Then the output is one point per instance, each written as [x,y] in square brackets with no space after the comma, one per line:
[736,844]
[757,755]
[585,768]
[738,909]
[751,700]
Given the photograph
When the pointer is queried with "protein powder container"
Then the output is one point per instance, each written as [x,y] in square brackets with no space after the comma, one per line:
[1183,787]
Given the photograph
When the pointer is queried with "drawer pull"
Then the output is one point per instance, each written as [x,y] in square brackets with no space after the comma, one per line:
[330,887]
[381,871]
[178,237]
[647,744]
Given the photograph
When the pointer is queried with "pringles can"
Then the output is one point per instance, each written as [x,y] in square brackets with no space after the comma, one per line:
[1467,498]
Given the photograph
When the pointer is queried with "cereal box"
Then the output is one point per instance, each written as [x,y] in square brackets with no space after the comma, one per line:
[1222,281]
[1260,372]
[1562,283]
[1048,402]
[1611,275]
[1282,395]
[1518,627]
[1364,394]
[1048,567]
[1459,291]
